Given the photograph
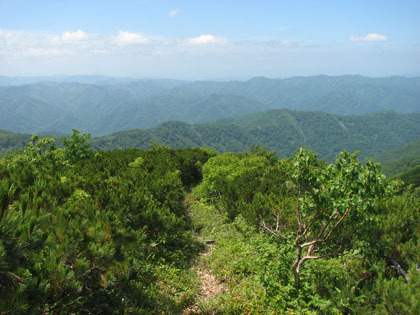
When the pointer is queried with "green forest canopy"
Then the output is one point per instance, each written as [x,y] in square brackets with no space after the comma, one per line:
[400,159]
[282,131]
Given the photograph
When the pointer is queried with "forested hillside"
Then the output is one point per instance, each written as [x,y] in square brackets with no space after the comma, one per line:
[282,131]
[105,105]
[117,232]
[10,141]
[410,177]
[349,94]
[400,159]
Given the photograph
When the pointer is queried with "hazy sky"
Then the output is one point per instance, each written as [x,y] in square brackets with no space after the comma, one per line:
[209,39]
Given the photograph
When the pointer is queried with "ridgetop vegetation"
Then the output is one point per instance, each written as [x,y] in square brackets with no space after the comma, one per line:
[91,232]
[113,232]
[330,237]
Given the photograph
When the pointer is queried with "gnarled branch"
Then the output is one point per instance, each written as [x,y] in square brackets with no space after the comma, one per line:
[324,227]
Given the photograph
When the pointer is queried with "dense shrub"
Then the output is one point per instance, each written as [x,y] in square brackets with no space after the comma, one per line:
[89,232]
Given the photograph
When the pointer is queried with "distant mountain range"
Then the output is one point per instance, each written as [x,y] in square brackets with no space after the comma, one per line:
[88,79]
[101,105]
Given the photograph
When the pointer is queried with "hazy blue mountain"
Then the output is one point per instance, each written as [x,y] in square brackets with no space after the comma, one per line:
[101,109]
[21,113]
[102,105]
[88,79]
[349,94]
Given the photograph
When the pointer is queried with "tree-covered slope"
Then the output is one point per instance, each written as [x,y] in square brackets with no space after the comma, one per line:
[411,177]
[400,159]
[283,131]
[10,141]
[101,105]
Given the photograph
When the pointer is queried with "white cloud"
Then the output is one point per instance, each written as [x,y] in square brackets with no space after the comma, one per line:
[68,37]
[173,13]
[206,39]
[74,36]
[127,38]
[40,52]
[99,52]
[276,43]
[31,43]
[4,34]
[14,43]
[372,37]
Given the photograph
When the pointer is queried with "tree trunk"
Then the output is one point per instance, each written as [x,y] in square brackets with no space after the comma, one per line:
[296,276]
[296,272]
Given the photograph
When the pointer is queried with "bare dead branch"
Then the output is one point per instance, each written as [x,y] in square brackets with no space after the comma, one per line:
[274,232]
[277,221]
[298,217]
[395,264]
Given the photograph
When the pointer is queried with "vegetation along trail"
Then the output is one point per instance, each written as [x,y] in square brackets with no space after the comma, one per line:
[114,232]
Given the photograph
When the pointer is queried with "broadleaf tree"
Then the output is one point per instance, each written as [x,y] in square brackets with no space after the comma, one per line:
[335,205]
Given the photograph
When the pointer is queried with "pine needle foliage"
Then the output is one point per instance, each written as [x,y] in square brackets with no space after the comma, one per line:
[84,232]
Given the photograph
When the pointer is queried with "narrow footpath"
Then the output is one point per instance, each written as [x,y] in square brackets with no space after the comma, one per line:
[210,286]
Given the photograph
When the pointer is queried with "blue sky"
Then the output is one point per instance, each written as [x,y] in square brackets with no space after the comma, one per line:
[209,39]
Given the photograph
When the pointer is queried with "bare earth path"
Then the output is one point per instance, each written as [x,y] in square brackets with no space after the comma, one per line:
[210,286]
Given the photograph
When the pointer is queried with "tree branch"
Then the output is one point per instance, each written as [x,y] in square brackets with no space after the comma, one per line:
[309,226]
[298,217]
[274,232]
[395,264]
[332,217]
[302,261]
[324,227]
[338,222]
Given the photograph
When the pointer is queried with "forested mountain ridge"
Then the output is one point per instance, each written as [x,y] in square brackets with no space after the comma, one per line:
[88,79]
[10,141]
[103,105]
[400,159]
[282,131]
[410,177]
[348,94]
